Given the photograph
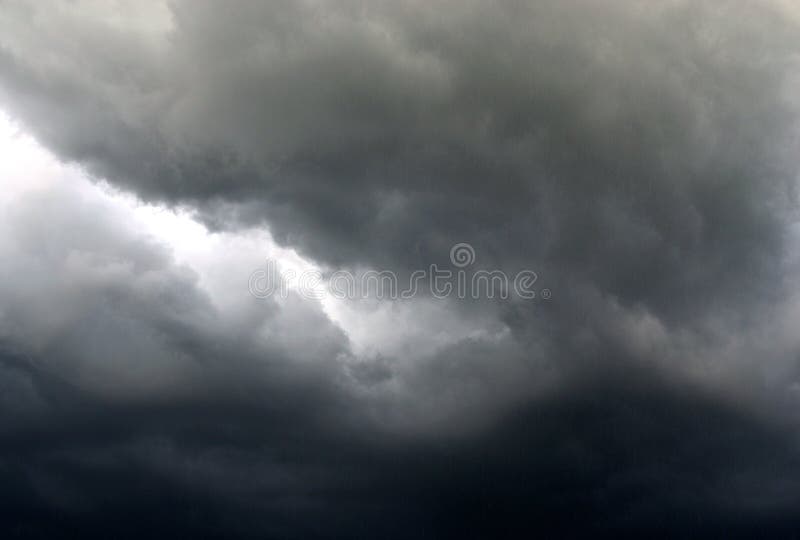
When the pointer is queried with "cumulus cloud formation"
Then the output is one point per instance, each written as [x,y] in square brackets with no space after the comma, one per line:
[640,157]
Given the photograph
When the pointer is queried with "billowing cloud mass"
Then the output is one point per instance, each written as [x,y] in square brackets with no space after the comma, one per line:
[641,157]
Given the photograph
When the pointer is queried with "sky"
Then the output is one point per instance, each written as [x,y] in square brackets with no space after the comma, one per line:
[628,170]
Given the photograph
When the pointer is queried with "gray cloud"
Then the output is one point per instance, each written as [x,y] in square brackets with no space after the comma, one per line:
[641,158]
[643,153]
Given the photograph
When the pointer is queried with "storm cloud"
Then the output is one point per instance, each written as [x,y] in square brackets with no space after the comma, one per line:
[640,157]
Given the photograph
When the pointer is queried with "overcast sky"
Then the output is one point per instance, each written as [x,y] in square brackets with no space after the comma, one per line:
[640,158]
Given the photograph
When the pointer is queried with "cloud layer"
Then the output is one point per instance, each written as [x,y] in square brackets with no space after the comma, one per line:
[640,158]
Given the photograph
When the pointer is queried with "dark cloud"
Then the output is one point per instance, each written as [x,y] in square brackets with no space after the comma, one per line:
[620,454]
[640,158]
[641,153]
